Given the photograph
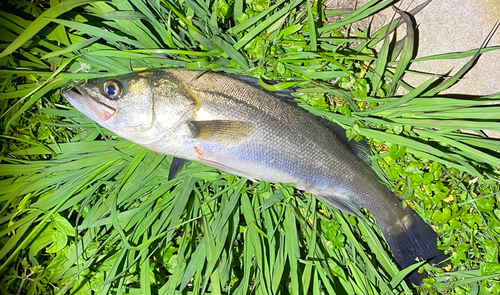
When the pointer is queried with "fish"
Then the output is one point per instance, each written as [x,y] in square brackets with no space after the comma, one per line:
[231,123]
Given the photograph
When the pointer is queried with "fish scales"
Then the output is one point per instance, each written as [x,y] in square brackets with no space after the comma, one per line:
[303,151]
[226,123]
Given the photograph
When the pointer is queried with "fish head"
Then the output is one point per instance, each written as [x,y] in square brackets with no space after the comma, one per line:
[130,106]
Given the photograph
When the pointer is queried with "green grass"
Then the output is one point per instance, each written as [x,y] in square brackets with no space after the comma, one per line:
[83,210]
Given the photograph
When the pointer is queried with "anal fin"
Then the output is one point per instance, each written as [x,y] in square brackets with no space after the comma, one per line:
[343,205]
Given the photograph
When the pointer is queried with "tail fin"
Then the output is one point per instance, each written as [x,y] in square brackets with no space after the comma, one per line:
[416,242]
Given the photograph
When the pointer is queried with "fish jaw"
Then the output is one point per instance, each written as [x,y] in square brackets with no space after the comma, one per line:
[104,115]
[93,109]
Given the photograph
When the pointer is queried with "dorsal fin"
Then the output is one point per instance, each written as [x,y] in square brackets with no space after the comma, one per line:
[285,94]
[360,148]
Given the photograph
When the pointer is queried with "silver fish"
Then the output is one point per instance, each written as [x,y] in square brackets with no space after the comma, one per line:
[228,123]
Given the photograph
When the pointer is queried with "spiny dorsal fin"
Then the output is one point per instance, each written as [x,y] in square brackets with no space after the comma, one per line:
[285,94]
[221,131]
[176,167]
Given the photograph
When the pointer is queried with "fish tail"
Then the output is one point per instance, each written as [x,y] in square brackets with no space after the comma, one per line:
[412,240]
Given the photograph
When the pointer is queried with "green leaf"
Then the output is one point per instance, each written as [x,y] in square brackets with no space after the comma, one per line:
[492,255]
[398,278]
[485,204]
[381,64]
[63,225]
[60,240]
[442,216]
[490,268]
[273,199]
[312,26]
[42,21]
[231,52]
[97,32]
[406,55]
[73,47]
[365,11]
[262,26]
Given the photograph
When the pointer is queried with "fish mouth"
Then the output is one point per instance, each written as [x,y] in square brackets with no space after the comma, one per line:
[83,102]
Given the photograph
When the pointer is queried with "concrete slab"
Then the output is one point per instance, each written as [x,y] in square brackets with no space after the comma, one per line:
[450,26]
[459,25]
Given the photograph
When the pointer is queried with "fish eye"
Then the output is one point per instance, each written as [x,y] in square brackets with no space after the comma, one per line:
[112,89]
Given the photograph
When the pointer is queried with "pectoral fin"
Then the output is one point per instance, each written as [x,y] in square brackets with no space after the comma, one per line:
[221,131]
[175,167]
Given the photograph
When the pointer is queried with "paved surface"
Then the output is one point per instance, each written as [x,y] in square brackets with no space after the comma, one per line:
[451,26]
[460,25]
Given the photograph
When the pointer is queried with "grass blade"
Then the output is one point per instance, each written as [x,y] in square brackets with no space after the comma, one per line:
[42,21]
